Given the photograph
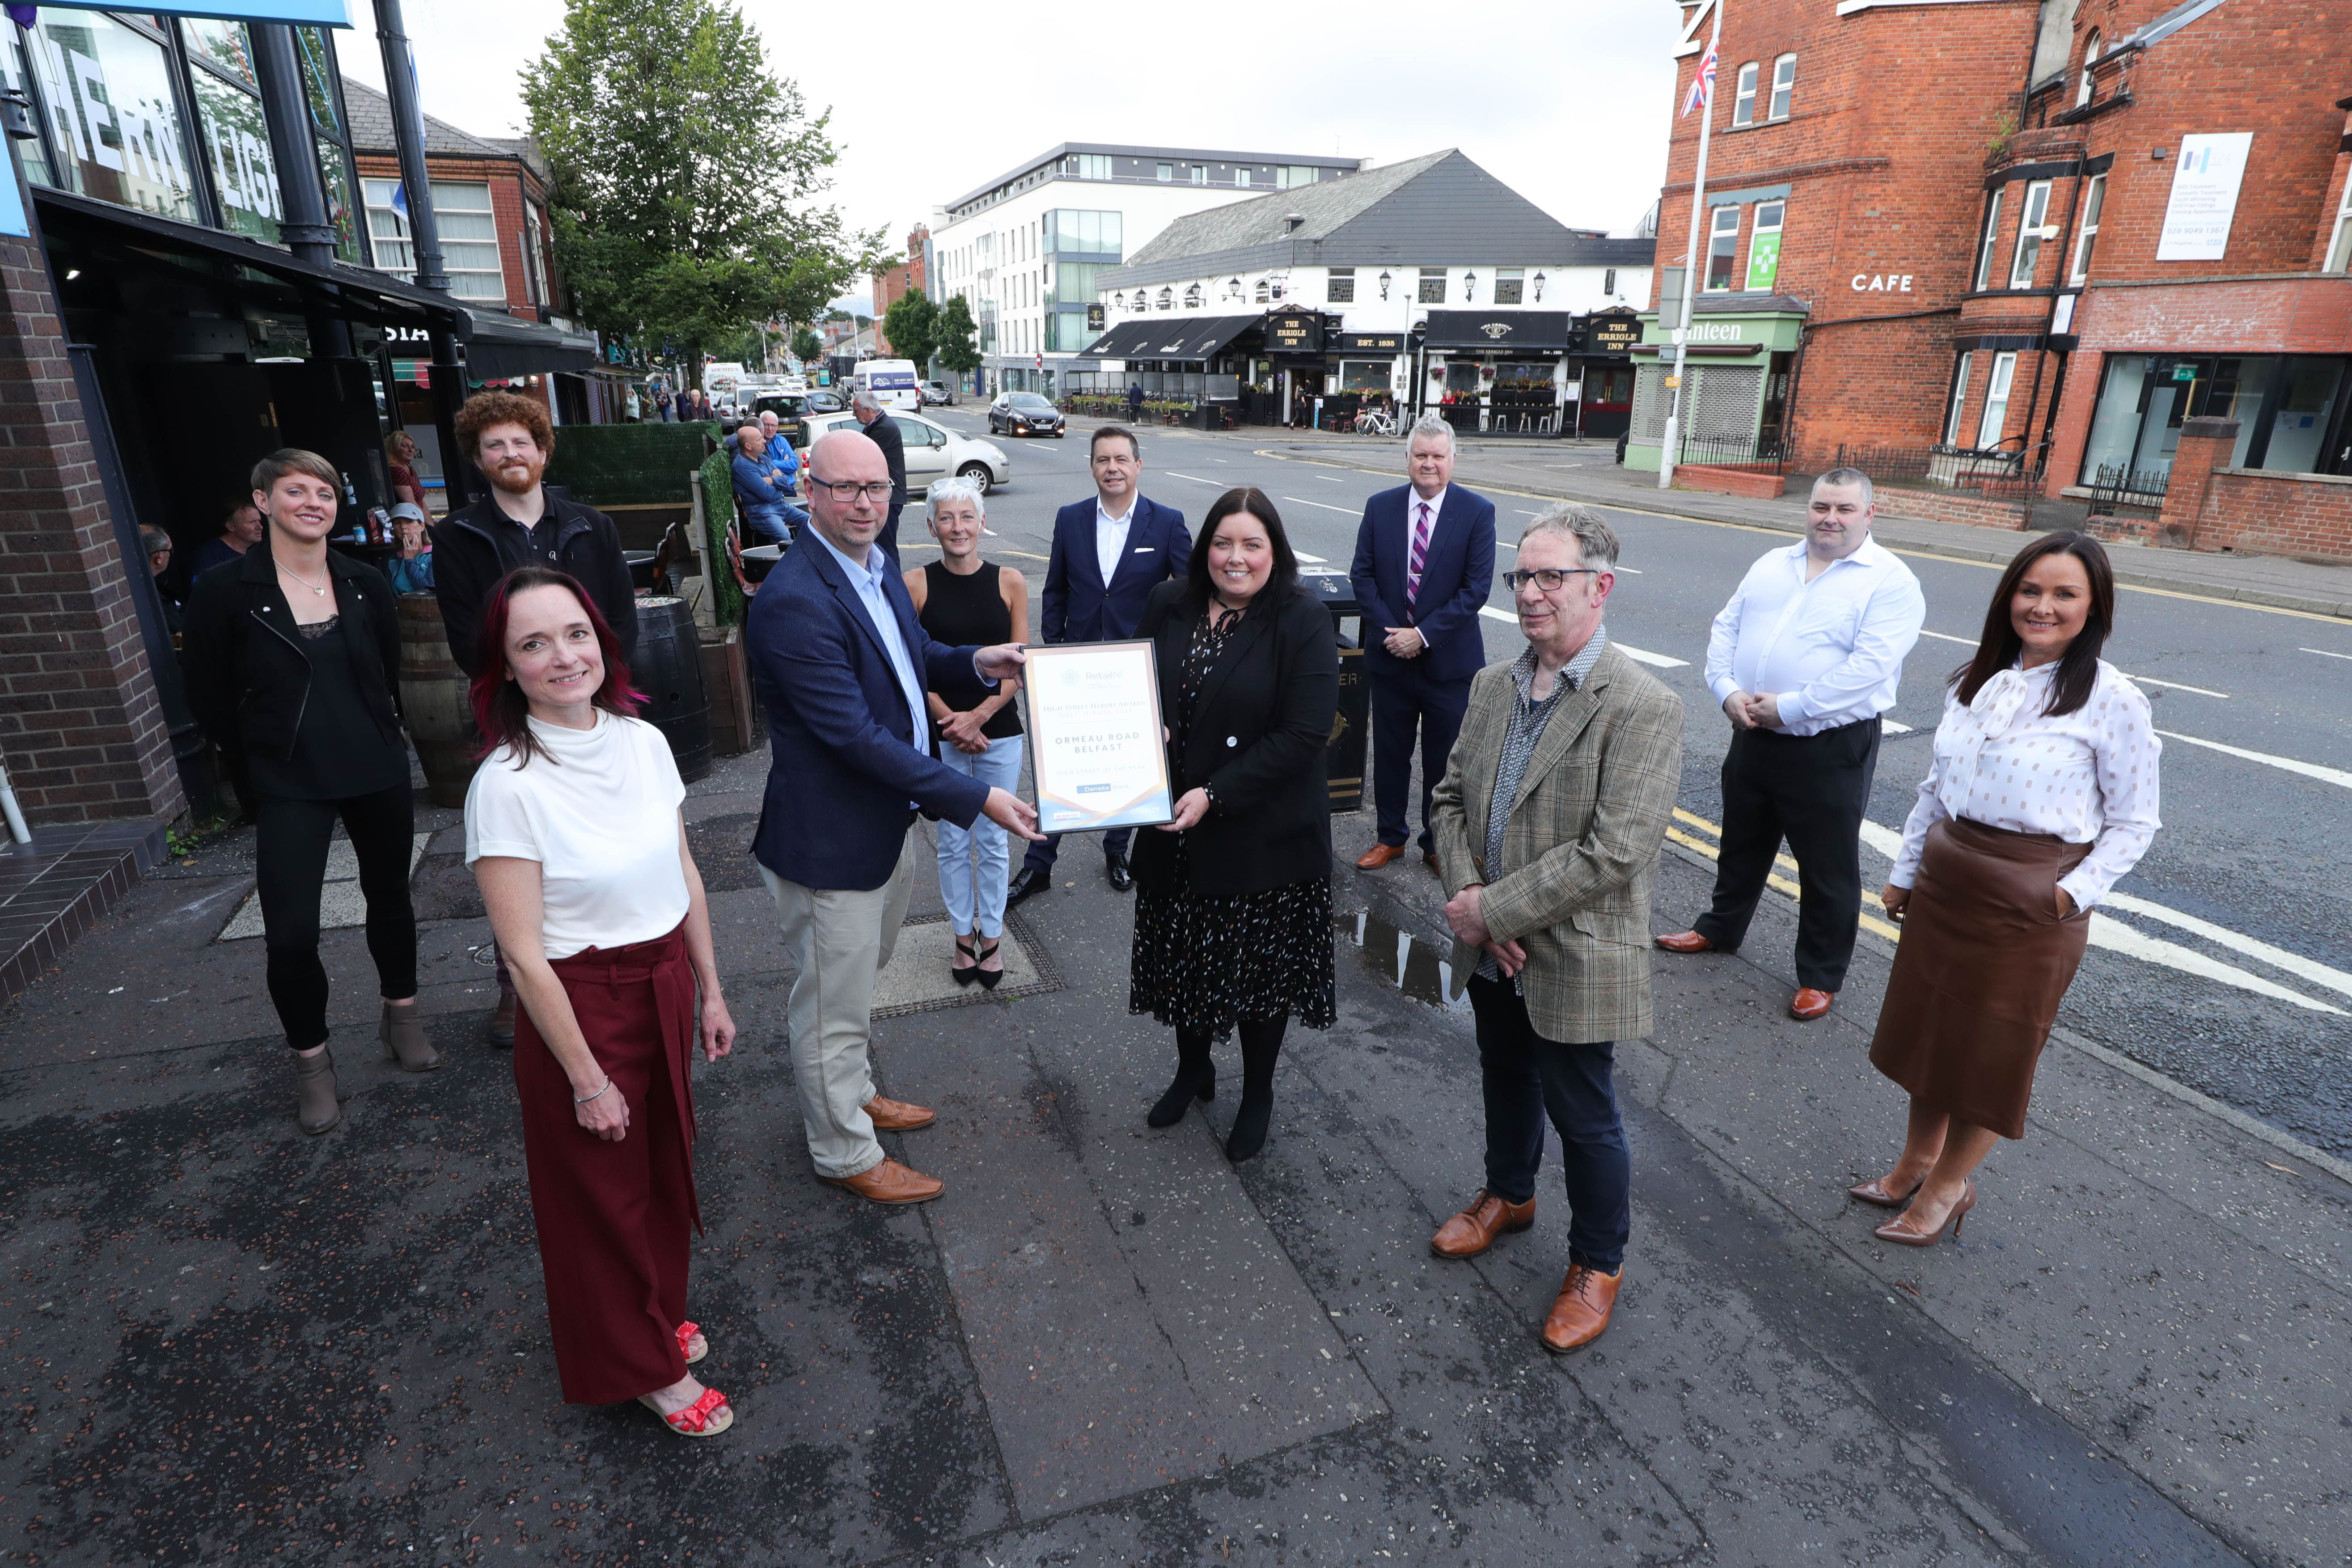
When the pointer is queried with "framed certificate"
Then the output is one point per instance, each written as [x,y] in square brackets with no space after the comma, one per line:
[1094,747]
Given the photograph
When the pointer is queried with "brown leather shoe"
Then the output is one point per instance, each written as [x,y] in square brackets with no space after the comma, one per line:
[1378,856]
[1808,1004]
[1430,860]
[890,1183]
[898,1116]
[1586,1298]
[1684,942]
[1474,1230]
[500,1028]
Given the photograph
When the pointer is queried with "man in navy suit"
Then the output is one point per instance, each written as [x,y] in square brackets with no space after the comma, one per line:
[1424,564]
[844,668]
[1108,553]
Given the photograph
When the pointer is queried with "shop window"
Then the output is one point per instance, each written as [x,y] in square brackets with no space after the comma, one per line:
[2094,200]
[1784,86]
[2029,234]
[1363,375]
[1764,248]
[2339,254]
[1432,286]
[114,120]
[1959,400]
[1984,247]
[2312,387]
[2090,56]
[1722,240]
[1996,403]
[236,141]
[1340,286]
[15,78]
[1510,285]
[1743,100]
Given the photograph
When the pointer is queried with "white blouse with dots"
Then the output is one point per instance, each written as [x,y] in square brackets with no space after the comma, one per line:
[2087,777]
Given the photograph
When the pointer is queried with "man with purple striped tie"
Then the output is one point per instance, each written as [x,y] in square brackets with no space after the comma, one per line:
[1424,564]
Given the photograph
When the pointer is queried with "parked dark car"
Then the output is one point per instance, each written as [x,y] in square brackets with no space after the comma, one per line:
[793,409]
[1024,414]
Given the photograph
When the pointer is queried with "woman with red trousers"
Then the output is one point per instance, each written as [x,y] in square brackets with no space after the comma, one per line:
[573,829]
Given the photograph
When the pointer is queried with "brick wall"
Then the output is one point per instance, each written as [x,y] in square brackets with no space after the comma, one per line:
[511,185]
[2304,515]
[81,727]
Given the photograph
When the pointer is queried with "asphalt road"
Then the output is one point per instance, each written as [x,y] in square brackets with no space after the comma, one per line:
[2227,963]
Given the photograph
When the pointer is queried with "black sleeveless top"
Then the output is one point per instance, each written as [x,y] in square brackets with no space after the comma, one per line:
[959,611]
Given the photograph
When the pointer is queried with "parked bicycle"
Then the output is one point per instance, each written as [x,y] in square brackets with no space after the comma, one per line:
[1376,422]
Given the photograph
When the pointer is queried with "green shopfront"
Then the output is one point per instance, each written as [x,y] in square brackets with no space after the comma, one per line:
[1740,371]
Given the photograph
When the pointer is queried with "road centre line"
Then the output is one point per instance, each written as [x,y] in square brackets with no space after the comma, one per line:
[2142,679]
[1302,500]
[1310,560]
[2324,653]
[1946,636]
[1194,477]
[1639,656]
[2337,776]
[1329,479]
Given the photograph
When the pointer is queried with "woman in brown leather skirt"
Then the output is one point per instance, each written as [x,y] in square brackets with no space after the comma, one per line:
[2042,795]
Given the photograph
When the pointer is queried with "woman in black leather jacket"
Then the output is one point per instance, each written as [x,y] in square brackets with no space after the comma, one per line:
[292,655]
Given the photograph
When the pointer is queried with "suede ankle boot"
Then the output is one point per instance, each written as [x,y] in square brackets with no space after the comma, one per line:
[403,1039]
[317,1106]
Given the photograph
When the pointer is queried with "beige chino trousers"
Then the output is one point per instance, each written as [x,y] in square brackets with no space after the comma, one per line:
[839,941]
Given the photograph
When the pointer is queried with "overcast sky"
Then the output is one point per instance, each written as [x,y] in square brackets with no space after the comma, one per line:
[1567,103]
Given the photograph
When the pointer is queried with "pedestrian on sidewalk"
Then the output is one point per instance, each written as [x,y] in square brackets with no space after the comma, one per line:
[845,667]
[2042,795]
[292,659]
[1804,658]
[883,432]
[509,438]
[1107,554]
[1134,402]
[962,600]
[1424,566]
[1232,899]
[574,831]
[1549,820]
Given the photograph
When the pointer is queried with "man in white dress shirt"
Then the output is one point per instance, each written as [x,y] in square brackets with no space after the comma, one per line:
[1804,660]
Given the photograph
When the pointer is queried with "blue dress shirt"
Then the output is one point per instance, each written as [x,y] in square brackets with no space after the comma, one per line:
[868,583]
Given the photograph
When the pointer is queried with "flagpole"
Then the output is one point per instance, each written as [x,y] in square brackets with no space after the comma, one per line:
[1690,264]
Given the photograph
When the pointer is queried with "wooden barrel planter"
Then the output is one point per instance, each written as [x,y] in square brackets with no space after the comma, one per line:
[432,697]
[668,672]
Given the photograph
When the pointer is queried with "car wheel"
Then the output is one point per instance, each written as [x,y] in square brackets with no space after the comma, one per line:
[979,476]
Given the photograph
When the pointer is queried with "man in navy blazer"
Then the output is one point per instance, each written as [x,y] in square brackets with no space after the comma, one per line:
[1424,564]
[1107,554]
[844,668]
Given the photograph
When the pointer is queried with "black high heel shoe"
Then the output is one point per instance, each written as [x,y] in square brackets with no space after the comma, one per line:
[989,978]
[964,977]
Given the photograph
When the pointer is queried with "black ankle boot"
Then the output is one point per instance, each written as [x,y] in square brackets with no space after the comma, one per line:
[1261,1048]
[1196,1077]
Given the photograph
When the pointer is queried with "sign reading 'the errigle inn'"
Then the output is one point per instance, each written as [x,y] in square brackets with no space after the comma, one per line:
[1615,337]
[1294,332]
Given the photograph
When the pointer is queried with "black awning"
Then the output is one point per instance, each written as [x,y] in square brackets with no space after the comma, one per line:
[501,348]
[1509,332]
[1179,338]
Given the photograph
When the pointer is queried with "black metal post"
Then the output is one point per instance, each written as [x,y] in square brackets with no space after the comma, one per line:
[448,377]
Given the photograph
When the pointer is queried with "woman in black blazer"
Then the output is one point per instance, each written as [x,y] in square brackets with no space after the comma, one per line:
[1232,899]
[292,655]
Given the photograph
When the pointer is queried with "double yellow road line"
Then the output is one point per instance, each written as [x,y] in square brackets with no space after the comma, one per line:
[1871,924]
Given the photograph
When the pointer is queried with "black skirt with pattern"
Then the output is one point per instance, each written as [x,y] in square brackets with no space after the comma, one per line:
[1204,961]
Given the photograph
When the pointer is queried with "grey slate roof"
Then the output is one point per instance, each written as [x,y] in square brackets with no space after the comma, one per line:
[371,114]
[1439,210]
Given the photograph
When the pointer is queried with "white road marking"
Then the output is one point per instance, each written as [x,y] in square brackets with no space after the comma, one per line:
[1639,656]
[1524,512]
[2336,776]
[1948,637]
[1302,500]
[1194,477]
[2324,653]
[1310,560]
[2177,686]
[1328,479]
[1493,613]
[2276,957]
[1896,725]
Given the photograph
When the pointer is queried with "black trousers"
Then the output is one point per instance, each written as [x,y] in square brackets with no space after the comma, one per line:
[291,866]
[1042,853]
[1525,1078]
[1812,791]
[888,538]
[1406,699]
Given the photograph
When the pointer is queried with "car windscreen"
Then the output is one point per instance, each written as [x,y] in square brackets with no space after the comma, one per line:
[1031,401]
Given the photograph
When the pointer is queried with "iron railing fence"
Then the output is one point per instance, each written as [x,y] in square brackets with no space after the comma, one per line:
[1762,452]
[2116,485]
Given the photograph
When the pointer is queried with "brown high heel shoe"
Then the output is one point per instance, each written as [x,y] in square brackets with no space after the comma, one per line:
[1895,1231]
[1874,1192]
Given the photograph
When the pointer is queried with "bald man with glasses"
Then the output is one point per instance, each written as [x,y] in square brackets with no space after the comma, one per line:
[846,670]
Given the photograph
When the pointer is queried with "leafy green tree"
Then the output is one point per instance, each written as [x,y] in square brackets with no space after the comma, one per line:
[954,338]
[807,346]
[911,324]
[681,169]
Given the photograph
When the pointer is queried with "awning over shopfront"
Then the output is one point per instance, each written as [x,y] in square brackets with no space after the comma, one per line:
[501,348]
[1519,333]
[1183,338]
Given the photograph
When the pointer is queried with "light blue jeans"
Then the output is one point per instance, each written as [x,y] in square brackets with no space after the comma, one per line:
[977,895]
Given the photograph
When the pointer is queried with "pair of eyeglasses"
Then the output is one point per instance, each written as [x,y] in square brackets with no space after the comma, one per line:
[1550,579]
[851,491]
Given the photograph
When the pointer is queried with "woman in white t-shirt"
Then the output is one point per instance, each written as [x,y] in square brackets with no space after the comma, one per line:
[573,830]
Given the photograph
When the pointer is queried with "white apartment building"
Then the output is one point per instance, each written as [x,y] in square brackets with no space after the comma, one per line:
[1026,249]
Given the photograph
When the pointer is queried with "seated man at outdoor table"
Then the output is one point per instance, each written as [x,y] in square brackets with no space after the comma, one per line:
[765,484]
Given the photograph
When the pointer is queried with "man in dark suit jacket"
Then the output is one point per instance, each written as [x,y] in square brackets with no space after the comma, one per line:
[844,669]
[883,432]
[1107,555]
[1424,564]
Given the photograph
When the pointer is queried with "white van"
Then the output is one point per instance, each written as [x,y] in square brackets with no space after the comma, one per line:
[892,382]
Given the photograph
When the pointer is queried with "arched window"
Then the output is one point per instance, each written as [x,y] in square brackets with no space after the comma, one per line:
[1166,299]
[1260,295]
[2090,58]
[1192,298]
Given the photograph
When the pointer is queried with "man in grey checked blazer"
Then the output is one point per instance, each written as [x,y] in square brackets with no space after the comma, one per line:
[1548,822]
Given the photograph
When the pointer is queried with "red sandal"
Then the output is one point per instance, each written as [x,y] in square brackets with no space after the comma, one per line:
[685,1332]
[705,1417]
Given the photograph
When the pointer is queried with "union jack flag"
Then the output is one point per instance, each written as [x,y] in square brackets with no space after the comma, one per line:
[1702,87]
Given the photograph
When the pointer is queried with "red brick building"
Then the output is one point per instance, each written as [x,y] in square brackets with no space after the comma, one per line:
[2059,268]
[912,276]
